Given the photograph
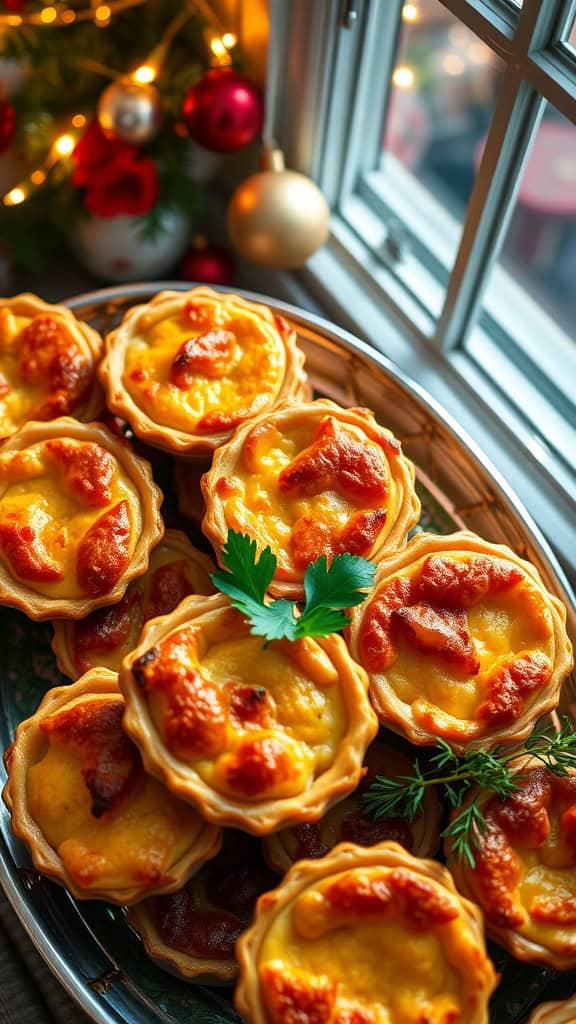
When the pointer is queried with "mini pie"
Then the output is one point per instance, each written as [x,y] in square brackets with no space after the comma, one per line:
[524,878]
[347,822]
[192,933]
[555,1013]
[256,736]
[79,513]
[309,480]
[80,799]
[188,367]
[107,635]
[365,936]
[48,364]
[461,640]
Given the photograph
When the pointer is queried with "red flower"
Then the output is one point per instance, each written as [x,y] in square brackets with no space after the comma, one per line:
[93,152]
[125,185]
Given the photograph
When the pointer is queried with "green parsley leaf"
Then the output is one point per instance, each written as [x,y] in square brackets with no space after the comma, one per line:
[248,577]
[328,590]
[343,585]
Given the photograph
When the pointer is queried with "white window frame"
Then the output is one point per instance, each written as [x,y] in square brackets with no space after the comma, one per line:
[329,124]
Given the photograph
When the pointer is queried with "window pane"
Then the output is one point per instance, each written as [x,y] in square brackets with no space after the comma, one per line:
[443,92]
[569,36]
[532,292]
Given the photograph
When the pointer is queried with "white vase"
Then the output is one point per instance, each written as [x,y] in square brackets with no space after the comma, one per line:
[114,249]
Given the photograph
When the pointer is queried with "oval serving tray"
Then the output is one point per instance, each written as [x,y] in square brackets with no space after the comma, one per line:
[88,945]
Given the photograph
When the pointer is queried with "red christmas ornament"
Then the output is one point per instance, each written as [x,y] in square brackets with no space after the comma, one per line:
[223,111]
[7,124]
[208,264]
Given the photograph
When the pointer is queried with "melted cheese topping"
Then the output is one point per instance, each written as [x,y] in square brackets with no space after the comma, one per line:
[69,518]
[525,875]
[44,370]
[255,722]
[106,636]
[112,825]
[475,648]
[386,946]
[205,370]
[322,487]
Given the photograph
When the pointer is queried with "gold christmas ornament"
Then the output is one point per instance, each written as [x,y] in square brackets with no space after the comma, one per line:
[130,112]
[277,218]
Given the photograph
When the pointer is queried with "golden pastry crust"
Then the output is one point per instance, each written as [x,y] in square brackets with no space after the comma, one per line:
[346,821]
[461,640]
[81,801]
[257,737]
[307,480]
[524,877]
[188,367]
[364,934]
[48,362]
[79,514]
[192,933]
[555,1013]
[107,635]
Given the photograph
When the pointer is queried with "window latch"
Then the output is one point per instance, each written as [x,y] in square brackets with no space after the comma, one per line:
[350,14]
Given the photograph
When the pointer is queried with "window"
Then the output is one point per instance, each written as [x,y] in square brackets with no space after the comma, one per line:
[443,134]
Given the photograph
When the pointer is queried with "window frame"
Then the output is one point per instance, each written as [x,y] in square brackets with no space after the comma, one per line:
[329,139]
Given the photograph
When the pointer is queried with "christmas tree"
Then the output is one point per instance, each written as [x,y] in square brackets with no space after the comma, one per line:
[111,96]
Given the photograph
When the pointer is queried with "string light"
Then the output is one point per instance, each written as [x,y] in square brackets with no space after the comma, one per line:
[15,196]
[229,40]
[61,15]
[144,74]
[453,64]
[61,149]
[64,145]
[410,12]
[102,15]
[403,77]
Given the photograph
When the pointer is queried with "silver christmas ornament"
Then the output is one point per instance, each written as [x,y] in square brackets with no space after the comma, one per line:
[130,112]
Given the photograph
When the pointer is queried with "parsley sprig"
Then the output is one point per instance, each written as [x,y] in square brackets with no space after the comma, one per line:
[403,796]
[328,590]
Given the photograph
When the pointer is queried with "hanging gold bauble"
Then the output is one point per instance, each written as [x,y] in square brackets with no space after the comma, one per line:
[277,218]
[130,112]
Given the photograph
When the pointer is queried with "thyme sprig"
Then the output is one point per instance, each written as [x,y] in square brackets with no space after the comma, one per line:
[403,796]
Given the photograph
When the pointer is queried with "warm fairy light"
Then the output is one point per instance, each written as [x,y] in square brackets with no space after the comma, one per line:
[229,40]
[479,53]
[410,12]
[64,145]
[218,48]
[48,15]
[14,197]
[453,64]
[38,177]
[12,20]
[102,14]
[144,74]
[459,35]
[403,77]
[78,121]
[68,16]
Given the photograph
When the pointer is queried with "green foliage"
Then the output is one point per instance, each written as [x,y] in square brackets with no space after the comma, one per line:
[328,590]
[485,770]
